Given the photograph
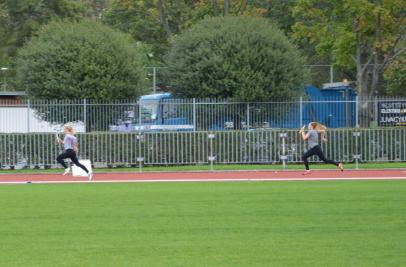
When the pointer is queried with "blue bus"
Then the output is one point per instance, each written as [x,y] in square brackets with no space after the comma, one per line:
[334,105]
[156,112]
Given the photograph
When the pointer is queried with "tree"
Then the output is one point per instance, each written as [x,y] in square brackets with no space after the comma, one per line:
[363,35]
[156,21]
[280,11]
[94,8]
[24,18]
[81,60]
[149,21]
[4,33]
[204,8]
[243,58]
[395,76]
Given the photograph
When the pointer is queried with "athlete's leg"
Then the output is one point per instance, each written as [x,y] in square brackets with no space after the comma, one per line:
[61,157]
[75,161]
[307,155]
[320,154]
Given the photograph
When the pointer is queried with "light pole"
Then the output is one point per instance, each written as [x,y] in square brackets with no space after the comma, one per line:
[154,74]
[4,79]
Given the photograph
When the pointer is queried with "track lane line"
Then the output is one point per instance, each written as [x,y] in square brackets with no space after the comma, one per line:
[203,180]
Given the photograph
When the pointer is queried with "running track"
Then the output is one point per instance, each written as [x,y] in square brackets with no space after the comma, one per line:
[208,176]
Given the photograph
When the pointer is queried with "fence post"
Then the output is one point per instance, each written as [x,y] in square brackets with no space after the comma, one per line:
[283,156]
[139,115]
[194,114]
[248,116]
[28,115]
[301,112]
[356,155]
[84,114]
[211,158]
[356,112]
[140,158]
[376,111]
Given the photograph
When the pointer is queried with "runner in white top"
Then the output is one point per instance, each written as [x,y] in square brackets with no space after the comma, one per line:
[71,147]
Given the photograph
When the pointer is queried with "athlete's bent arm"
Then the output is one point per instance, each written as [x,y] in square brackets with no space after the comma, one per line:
[75,147]
[324,136]
[305,136]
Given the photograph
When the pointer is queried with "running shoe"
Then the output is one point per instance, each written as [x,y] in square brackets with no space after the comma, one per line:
[67,171]
[306,172]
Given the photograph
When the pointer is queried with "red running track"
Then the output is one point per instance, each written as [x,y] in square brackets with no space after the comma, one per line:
[398,174]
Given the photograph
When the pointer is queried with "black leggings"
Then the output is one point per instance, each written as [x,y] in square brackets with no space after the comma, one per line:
[70,153]
[316,151]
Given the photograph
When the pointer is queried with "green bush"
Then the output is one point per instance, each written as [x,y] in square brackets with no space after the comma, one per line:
[243,58]
[77,60]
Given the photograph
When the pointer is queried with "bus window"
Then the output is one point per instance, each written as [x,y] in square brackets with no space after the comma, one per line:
[169,111]
[149,111]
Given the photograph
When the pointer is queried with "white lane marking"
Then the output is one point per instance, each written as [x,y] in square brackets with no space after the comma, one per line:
[402,170]
[205,180]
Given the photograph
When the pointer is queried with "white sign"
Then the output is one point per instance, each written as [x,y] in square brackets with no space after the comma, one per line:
[77,171]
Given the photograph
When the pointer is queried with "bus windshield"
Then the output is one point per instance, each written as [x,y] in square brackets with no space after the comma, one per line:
[149,111]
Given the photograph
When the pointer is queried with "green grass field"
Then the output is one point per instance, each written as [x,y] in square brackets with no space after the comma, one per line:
[324,223]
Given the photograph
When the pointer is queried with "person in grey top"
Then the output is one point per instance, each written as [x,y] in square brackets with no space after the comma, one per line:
[71,147]
[312,137]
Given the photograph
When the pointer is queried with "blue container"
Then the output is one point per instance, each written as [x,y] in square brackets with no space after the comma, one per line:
[334,105]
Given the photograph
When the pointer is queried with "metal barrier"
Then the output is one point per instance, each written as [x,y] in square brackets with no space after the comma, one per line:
[108,149]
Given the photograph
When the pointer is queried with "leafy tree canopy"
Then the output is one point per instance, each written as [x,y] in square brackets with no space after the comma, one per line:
[244,58]
[21,19]
[362,35]
[71,60]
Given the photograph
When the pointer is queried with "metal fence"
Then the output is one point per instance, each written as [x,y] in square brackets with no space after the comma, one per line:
[29,116]
[109,149]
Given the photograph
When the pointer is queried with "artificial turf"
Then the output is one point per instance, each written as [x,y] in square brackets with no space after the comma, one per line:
[318,223]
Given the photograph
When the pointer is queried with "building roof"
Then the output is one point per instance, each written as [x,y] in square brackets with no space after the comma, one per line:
[156,96]
[12,93]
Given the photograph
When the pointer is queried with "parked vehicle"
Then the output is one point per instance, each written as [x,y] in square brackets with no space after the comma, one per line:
[155,113]
[334,105]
